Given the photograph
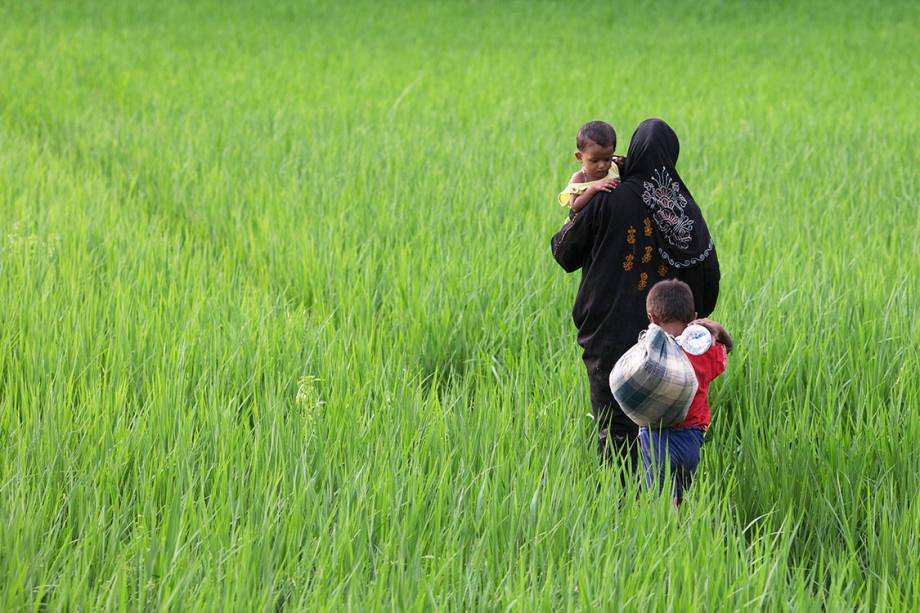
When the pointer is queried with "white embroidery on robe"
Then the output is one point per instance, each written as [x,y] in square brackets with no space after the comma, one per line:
[667,204]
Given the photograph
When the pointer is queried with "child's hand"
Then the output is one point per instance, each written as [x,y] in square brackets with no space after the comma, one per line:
[606,185]
[719,333]
[603,186]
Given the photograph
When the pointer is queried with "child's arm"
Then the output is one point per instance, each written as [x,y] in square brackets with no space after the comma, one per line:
[604,186]
[719,333]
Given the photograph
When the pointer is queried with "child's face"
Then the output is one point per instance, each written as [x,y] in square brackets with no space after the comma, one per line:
[595,160]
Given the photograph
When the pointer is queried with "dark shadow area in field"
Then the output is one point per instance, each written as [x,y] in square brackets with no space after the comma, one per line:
[441,366]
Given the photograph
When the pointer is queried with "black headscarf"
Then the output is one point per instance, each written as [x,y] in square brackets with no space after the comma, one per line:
[681,236]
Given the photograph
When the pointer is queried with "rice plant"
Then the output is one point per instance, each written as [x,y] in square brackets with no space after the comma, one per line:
[281,328]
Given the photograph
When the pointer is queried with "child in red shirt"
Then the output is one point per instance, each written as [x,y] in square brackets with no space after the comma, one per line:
[670,305]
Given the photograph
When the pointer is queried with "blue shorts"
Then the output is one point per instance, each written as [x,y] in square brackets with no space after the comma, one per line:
[678,448]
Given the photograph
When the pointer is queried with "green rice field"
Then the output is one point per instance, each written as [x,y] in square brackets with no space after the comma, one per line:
[280,327]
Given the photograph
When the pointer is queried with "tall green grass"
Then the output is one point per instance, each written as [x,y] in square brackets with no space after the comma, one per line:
[281,328]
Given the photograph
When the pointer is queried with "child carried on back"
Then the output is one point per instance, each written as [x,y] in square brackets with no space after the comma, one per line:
[662,384]
[599,172]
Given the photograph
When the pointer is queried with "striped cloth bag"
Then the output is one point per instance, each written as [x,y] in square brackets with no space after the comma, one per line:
[654,381]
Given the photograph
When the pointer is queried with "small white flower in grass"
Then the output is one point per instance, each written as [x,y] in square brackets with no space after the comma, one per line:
[31,244]
[308,394]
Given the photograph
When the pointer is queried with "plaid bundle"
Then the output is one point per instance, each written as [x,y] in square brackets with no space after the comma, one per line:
[654,381]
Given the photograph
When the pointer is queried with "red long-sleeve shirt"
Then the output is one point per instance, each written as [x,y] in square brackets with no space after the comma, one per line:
[707,367]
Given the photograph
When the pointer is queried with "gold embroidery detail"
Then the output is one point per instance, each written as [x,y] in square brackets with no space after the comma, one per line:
[647,256]
[647,229]
[662,270]
[643,280]
[631,235]
[628,262]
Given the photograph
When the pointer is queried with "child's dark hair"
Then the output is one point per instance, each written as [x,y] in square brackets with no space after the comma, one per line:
[599,132]
[669,301]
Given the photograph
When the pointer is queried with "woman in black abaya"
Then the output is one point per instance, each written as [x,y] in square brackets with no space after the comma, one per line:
[647,229]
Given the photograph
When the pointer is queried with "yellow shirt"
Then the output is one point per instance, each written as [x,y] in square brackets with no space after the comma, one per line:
[574,190]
